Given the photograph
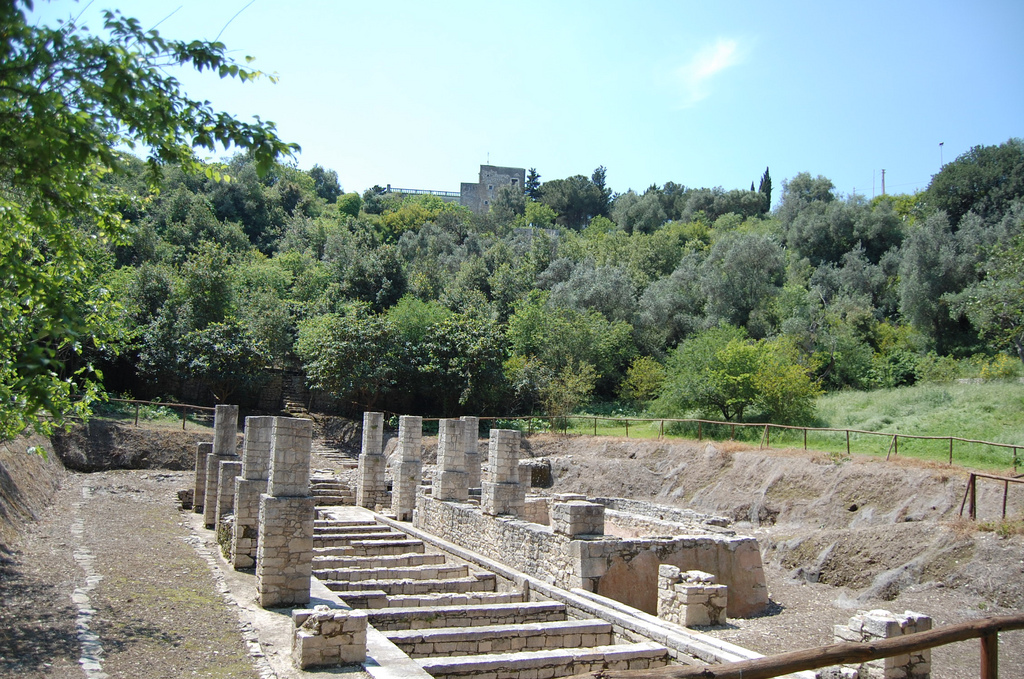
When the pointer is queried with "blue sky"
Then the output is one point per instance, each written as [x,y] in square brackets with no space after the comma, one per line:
[419,94]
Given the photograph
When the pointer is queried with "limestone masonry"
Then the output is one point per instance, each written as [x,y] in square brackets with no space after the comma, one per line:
[530,573]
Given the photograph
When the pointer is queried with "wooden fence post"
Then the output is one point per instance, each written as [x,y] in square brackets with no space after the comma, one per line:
[847,441]
[595,426]
[951,450]
[661,431]
[700,432]
[972,507]
[990,656]
[805,438]
[627,429]
[184,414]
[136,414]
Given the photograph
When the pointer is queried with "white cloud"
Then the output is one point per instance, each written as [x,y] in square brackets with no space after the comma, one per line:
[710,60]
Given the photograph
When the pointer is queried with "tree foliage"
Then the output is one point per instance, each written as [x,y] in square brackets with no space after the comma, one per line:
[71,99]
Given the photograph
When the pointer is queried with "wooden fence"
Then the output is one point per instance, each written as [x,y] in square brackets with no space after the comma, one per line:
[765,429]
[986,629]
[184,407]
[971,492]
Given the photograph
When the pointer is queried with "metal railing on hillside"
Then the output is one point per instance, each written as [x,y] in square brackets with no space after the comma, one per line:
[986,629]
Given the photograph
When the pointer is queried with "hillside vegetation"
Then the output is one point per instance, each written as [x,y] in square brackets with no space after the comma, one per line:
[675,300]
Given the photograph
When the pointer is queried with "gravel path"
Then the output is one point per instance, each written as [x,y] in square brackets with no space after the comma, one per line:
[108,583]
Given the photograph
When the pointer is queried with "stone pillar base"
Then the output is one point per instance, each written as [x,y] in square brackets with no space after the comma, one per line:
[407,475]
[502,498]
[325,637]
[371,489]
[284,559]
[210,491]
[245,531]
[452,485]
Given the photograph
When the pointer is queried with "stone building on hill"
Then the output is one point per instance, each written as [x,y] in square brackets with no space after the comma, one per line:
[478,197]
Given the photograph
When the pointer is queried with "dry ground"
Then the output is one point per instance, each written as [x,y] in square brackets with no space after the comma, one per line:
[836,538]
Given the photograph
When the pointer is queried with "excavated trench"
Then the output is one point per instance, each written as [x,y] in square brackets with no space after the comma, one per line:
[857,534]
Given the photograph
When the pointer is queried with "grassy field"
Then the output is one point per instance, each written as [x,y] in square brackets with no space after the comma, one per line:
[990,411]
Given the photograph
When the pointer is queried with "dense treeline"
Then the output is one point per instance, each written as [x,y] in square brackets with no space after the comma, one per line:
[671,299]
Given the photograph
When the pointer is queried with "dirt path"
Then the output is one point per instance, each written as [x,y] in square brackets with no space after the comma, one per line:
[107,584]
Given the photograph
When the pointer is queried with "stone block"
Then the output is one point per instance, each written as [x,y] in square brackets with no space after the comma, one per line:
[256,447]
[410,437]
[577,517]
[290,457]
[373,433]
[225,430]
[502,498]
[503,456]
[881,624]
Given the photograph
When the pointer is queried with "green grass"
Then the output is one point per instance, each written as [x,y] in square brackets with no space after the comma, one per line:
[990,411]
[153,415]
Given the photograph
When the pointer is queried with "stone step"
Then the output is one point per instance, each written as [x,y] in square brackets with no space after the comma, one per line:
[511,638]
[334,500]
[372,548]
[330,490]
[549,663]
[326,529]
[481,582]
[348,539]
[379,600]
[396,561]
[345,523]
[328,481]
[472,615]
[424,572]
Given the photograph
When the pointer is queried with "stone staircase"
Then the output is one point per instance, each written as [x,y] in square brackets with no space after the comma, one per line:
[331,492]
[451,617]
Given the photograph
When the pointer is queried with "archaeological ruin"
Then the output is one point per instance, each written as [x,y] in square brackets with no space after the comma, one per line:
[459,568]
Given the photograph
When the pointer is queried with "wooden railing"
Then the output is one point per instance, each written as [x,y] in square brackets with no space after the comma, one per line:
[766,431]
[971,492]
[185,408]
[986,629]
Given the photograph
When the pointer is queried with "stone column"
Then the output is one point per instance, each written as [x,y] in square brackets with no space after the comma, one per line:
[408,472]
[503,494]
[284,554]
[880,624]
[451,480]
[203,451]
[225,439]
[229,470]
[472,448]
[372,488]
[248,487]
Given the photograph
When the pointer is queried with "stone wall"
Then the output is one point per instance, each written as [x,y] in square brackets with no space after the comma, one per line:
[624,570]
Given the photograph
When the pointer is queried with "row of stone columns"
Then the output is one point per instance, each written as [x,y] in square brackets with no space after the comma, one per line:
[267,490]
[458,466]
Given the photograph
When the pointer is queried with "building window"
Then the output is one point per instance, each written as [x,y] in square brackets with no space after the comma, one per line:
[515,181]
[490,187]
[486,203]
